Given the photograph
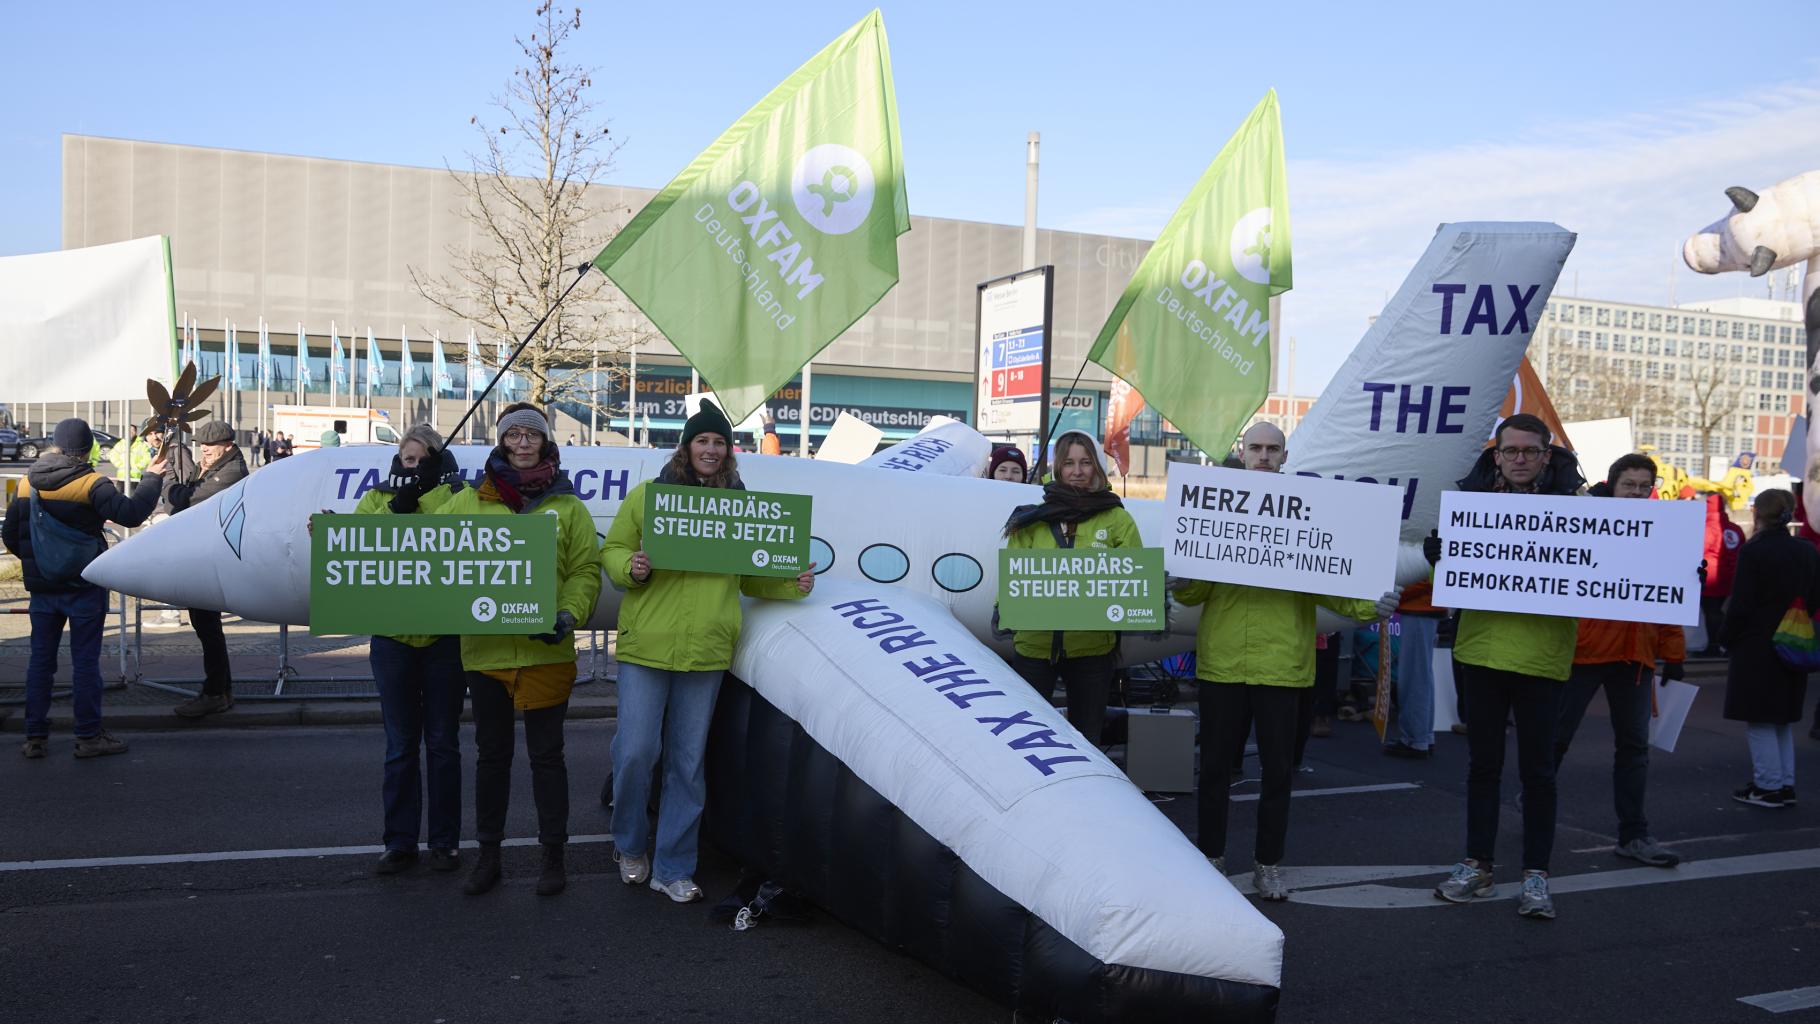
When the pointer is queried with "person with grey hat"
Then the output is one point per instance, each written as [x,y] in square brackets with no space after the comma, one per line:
[55,527]
[509,675]
[221,467]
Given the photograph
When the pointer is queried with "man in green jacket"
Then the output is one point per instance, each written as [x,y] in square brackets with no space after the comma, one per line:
[1512,667]
[1254,657]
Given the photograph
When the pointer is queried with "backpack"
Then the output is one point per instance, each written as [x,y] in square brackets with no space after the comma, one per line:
[60,550]
[1794,639]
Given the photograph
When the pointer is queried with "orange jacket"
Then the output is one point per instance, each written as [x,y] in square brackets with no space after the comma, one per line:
[1643,643]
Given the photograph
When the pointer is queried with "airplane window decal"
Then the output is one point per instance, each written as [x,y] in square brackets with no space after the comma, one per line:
[822,554]
[884,563]
[957,573]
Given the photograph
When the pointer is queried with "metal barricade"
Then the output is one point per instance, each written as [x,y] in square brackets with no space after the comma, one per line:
[284,673]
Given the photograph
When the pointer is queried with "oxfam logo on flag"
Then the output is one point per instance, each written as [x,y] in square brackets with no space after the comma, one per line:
[1251,246]
[832,188]
[484,608]
[1115,613]
[761,558]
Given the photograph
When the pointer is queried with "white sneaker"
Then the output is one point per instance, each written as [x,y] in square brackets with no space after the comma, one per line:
[1267,879]
[683,890]
[632,870]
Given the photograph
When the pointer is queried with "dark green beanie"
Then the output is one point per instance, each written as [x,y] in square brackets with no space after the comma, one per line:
[708,420]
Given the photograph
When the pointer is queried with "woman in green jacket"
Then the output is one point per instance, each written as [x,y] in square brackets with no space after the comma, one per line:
[1079,509]
[421,688]
[532,674]
[676,636]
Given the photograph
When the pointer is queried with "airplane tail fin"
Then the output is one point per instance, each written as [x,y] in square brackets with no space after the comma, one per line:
[1413,404]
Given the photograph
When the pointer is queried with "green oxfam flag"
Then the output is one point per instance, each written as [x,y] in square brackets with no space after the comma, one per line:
[783,232]
[1192,331]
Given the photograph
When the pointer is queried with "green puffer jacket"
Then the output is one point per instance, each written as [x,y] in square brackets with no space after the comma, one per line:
[677,621]
[1258,636]
[1534,645]
[1112,528]
[577,574]
[377,503]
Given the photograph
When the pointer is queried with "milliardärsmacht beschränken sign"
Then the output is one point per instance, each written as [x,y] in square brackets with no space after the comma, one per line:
[1329,537]
[1081,588]
[393,575]
[1627,559]
[712,529]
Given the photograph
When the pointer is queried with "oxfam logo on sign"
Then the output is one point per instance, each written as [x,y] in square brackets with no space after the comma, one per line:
[1115,613]
[832,188]
[484,609]
[761,558]
[1251,246]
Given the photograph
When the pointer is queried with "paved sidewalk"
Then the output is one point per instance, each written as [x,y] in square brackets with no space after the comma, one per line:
[329,683]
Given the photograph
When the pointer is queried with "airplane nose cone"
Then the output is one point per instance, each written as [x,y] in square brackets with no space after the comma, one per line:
[230,552]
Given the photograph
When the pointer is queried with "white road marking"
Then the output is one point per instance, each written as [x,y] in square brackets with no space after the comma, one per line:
[1389,897]
[228,855]
[1707,839]
[1382,787]
[1783,1002]
[1315,877]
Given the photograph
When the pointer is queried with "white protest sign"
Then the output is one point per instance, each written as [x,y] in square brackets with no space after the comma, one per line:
[1674,699]
[1281,532]
[1628,559]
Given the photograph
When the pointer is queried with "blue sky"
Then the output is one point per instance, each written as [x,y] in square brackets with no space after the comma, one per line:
[1620,122]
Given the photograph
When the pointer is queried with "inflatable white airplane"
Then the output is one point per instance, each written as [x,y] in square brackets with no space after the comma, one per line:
[881,740]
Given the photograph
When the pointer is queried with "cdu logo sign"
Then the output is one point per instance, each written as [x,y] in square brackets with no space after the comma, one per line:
[832,188]
[484,609]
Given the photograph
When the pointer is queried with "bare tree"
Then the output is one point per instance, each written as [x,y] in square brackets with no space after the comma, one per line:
[1714,398]
[526,196]
[1589,386]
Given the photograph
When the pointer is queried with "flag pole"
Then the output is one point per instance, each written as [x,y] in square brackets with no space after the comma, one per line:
[581,273]
[1042,455]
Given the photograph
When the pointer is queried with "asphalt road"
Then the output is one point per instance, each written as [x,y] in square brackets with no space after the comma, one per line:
[319,938]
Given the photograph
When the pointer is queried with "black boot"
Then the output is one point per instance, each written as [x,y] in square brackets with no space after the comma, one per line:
[486,870]
[554,879]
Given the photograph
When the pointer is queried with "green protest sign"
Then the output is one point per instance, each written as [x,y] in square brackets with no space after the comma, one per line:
[712,529]
[1081,588]
[396,575]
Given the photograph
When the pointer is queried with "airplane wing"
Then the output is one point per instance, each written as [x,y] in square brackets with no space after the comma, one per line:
[874,755]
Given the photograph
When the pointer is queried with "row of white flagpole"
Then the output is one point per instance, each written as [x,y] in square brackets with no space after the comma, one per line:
[441,381]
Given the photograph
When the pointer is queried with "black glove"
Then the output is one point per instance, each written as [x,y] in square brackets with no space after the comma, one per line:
[413,484]
[565,624]
[1700,572]
[1672,670]
[1431,547]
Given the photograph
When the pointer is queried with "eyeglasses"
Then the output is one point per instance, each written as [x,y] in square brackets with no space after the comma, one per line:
[518,438]
[1523,454]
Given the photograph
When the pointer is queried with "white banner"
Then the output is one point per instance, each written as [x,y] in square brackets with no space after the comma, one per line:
[87,324]
[1281,532]
[1627,559]
[1413,404]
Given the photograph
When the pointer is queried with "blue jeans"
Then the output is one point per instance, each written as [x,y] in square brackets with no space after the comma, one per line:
[86,612]
[662,713]
[421,690]
[1772,754]
[1416,681]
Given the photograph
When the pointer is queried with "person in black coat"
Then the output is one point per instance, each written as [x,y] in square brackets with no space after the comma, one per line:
[1774,569]
[69,491]
[222,467]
